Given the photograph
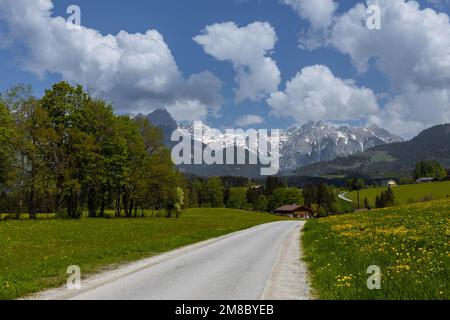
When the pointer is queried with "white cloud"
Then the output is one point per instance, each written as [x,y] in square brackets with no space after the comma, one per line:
[248,49]
[320,15]
[413,45]
[249,120]
[413,111]
[316,94]
[413,50]
[137,72]
[318,12]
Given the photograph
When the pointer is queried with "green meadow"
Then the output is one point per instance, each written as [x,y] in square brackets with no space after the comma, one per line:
[407,194]
[410,244]
[34,255]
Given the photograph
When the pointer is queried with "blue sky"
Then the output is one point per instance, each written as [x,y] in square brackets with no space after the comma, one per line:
[179,21]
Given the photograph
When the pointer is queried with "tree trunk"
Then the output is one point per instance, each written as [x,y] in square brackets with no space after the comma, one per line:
[59,195]
[118,204]
[31,202]
[72,204]
[102,206]
[91,203]
[125,204]
[130,208]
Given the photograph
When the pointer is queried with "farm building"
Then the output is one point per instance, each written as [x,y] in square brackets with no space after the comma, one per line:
[389,183]
[294,211]
[425,180]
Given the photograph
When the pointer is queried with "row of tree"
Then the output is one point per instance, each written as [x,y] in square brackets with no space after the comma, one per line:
[68,152]
[320,198]
[385,199]
[241,193]
[222,192]
[431,169]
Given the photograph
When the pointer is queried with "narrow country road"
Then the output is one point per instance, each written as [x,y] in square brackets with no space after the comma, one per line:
[251,264]
[343,196]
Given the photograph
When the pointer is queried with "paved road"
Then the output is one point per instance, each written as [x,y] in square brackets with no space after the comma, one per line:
[237,267]
[343,196]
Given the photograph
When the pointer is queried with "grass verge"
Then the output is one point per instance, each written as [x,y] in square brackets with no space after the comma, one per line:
[410,244]
[34,255]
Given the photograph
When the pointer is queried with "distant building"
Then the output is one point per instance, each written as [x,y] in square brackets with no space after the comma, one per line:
[295,211]
[392,183]
[426,180]
[389,183]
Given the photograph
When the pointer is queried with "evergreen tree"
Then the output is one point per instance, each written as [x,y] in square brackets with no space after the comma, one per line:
[366,203]
[253,195]
[325,197]
[378,203]
[310,195]
[261,204]
[272,183]
[195,198]
[238,198]
[430,169]
[385,199]
[284,196]
[216,192]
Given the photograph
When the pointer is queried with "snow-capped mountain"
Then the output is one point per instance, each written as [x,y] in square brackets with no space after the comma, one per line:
[312,142]
[299,146]
[316,142]
[212,135]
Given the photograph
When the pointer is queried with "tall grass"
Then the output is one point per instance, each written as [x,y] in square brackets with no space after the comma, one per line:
[410,244]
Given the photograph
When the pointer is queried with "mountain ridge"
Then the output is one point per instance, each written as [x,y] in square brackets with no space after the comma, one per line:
[395,159]
[299,146]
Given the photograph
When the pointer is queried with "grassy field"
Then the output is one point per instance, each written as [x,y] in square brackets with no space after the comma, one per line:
[25,216]
[407,194]
[410,244]
[34,255]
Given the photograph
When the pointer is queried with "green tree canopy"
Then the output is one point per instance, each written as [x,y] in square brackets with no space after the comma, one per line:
[7,135]
[285,196]
[431,169]
[237,198]
[215,191]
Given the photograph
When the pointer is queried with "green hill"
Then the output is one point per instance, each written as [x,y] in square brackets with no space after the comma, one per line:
[406,194]
[391,160]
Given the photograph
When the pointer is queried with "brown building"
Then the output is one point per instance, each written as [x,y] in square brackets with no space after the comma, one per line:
[295,211]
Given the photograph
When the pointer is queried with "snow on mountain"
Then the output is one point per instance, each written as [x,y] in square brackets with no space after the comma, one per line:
[316,142]
[299,146]
[312,142]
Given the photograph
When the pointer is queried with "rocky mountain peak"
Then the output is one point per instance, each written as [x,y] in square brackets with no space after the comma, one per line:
[300,146]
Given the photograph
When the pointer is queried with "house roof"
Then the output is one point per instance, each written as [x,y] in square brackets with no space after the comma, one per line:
[426,179]
[291,208]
